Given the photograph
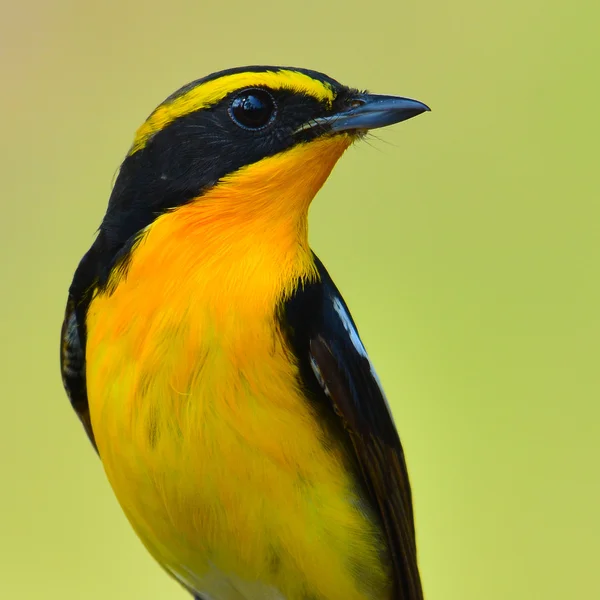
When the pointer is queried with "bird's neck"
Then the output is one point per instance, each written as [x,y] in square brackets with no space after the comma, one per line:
[227,250]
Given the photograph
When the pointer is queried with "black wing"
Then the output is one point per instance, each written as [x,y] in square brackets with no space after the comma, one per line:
[73,336]
[72,366]
[337,372]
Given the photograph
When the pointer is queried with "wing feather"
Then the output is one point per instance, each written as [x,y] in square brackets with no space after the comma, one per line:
[334,362]
[72,366]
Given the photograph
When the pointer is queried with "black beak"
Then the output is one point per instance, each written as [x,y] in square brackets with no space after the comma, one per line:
[369,111]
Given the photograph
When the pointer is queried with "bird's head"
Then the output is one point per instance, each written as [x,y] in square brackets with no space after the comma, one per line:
[268,126]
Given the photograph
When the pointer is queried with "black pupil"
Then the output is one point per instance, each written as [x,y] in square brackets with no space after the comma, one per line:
[252,109]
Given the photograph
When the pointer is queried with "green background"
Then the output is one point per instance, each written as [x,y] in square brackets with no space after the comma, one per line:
[465,242]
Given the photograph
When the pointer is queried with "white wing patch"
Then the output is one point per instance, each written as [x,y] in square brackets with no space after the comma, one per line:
[358,346]
[347,323]
[319,375]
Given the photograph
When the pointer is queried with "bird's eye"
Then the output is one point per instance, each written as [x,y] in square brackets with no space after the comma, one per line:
[252,109]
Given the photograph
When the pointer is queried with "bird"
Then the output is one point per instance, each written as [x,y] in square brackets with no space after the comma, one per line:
[215,366]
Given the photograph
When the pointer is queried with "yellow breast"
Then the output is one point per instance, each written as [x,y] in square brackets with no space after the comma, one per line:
[215,455]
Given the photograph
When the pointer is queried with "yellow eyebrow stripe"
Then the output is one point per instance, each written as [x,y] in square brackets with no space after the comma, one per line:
[211,92]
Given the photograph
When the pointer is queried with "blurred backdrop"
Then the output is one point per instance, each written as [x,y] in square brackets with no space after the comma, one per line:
[465,242]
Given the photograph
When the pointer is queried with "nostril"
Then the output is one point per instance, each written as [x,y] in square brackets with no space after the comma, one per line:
[355,103]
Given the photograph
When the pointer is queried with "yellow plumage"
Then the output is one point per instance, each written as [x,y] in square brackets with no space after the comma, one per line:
[215,455]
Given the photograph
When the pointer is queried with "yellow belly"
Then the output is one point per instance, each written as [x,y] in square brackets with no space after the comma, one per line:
[221,467]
